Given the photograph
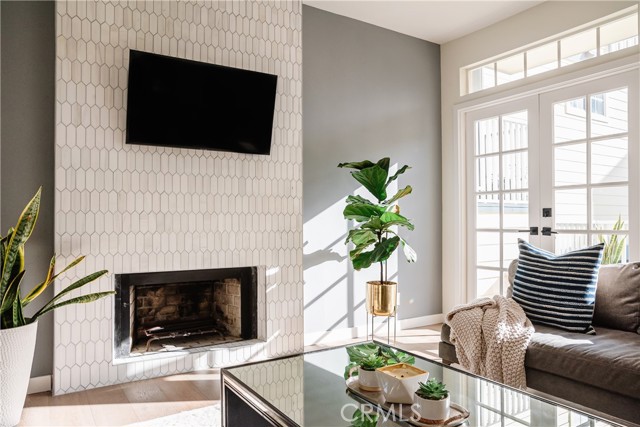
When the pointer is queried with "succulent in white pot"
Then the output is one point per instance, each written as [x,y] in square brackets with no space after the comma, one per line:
[432,400]
[17,331]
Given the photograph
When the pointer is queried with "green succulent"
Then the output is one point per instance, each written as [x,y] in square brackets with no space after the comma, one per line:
[432,390]
[361,419]
[12,272]
[360,352]
[372,363]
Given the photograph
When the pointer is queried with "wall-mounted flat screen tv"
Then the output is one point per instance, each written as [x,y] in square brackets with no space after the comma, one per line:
[188,104]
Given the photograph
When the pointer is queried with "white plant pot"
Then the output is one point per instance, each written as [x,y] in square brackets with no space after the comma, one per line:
[400,381]
[433,409]
[16,355]
[368,380]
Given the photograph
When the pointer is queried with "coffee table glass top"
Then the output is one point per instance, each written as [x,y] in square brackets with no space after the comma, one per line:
[310,390]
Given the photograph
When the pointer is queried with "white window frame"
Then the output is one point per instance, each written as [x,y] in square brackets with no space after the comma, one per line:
[455,236]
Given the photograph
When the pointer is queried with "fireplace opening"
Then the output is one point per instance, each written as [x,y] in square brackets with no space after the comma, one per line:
[181,310]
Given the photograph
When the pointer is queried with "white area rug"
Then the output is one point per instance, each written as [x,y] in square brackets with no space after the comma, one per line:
[208,416]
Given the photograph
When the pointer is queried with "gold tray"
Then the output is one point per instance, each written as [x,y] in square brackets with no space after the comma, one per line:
[459,415]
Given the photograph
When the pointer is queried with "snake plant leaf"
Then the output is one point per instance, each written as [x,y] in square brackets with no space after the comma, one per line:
[78,300]
[11,293]
[18,317]
[359,237]
[22,231]
[397,174]
[356,165]
[42,286]
[390,219]
[380,253]
[362,212]
[400,194]
[373,179]
[75,285]
[408,251]
[358,199]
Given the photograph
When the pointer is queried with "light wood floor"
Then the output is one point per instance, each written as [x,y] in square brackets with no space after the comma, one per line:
[149,399]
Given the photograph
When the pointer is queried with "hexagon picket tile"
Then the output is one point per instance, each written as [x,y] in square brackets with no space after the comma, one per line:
[135,208]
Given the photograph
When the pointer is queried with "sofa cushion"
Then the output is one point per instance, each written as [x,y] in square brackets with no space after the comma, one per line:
[608,360]
[618,297]
[558,290]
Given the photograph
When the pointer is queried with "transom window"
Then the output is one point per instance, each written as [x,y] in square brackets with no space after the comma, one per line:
[614,33]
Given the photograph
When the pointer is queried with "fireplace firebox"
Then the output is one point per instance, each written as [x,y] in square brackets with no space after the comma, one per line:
[162,312]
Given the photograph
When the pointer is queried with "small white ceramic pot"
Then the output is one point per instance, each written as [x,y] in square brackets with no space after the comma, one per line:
[432,410]
[400,381]
[367,380]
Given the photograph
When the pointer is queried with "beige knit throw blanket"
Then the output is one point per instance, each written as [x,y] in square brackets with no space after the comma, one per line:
[491,337]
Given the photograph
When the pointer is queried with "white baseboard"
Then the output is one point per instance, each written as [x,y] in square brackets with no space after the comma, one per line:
[360,331]
[39,384]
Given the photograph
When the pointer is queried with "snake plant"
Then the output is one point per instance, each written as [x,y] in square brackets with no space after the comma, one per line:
[614,245]
[12,270]
[373,239]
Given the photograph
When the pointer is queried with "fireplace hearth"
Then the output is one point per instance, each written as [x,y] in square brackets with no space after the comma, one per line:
[183,310]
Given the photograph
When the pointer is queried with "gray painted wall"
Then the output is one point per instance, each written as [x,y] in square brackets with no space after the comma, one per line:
[368,93]
[27,134]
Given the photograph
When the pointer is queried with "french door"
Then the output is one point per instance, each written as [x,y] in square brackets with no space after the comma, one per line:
[557,169]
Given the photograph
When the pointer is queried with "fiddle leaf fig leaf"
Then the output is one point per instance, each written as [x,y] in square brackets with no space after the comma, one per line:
[397,174]
[358,199]
[390,219]
[408,251]
[356,165]
[359,237]
[384,164]
[362,212]
[373,179]
[400,194]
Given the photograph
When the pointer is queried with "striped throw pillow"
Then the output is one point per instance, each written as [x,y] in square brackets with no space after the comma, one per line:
[558,290]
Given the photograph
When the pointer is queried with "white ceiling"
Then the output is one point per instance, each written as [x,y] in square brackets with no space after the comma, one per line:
[434,21]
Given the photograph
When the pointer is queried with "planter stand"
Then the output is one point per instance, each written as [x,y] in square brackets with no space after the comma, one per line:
[395,325]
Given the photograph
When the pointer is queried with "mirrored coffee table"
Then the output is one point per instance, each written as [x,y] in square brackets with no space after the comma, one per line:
[309,390]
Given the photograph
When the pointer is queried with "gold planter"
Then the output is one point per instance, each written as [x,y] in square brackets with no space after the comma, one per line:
[381,298]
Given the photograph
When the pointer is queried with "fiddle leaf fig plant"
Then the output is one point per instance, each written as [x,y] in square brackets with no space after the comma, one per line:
[12,272]
[373,238]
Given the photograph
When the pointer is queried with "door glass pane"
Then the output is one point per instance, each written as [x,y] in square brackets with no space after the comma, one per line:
[515,131]
[515,171]
[488,283]
[488,173]
[571,209]
[570,242]
[488,249]
[608,205]
[510,247]
[609,161]
[616,247]
[543,58]
[579,47]
[488,211]
[570,163]
[569,120]
[609,113]
[516,210]
[487,137]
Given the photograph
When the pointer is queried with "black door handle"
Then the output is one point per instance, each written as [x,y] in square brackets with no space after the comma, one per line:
[546,231]
[533,231]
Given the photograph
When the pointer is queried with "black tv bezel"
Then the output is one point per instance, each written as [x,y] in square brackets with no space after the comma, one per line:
[189,62]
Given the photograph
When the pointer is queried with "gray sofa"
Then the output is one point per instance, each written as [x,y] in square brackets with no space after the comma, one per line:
[600,372]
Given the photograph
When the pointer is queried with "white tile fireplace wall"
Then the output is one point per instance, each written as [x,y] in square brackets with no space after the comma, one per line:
[138,209]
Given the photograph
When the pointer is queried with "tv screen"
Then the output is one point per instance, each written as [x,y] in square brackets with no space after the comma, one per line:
[188,104]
